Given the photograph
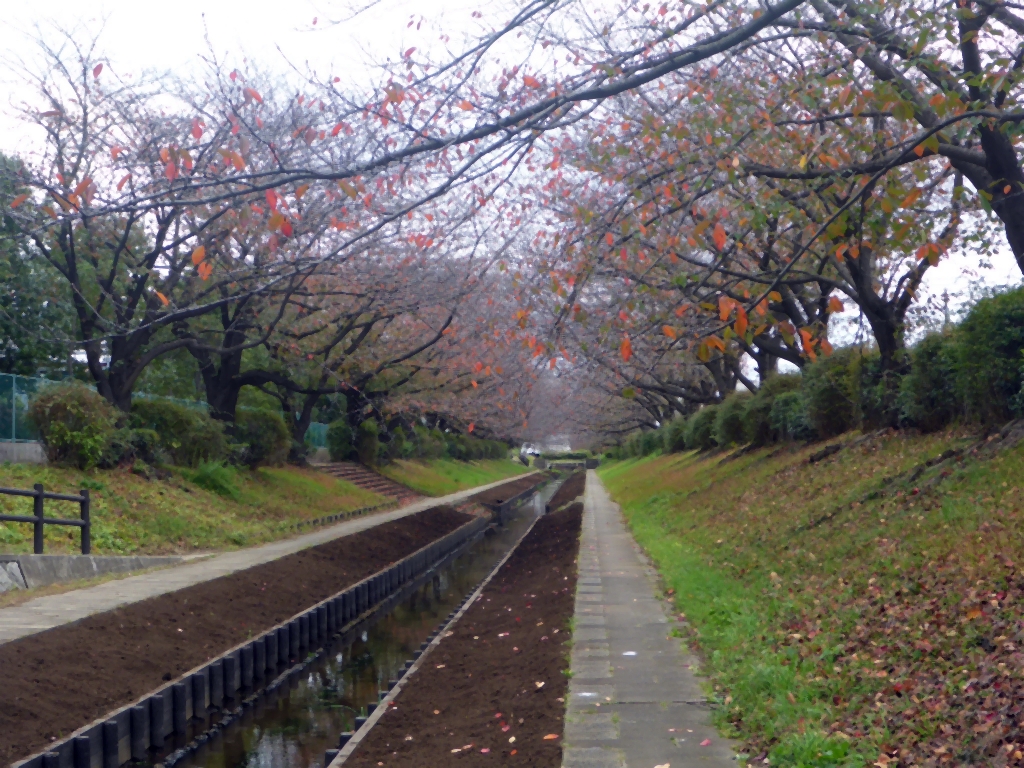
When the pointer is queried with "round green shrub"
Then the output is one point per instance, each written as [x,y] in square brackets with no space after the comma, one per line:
[729,419]
[651,441]
[339,441]
[368,443]
[990,345]
[928,398]
[675,435]
[126,446]
[189,436]
[831,392]
[757,426]
[788,418]
[265,436]
[75,424]
[700,429]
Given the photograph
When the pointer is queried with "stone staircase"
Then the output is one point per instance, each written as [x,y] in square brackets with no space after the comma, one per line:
[369,480]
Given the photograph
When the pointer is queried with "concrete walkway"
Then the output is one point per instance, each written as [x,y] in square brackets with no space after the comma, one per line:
[634,701]
[44,613]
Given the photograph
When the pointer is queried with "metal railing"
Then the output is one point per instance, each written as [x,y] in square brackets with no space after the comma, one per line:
[39,521]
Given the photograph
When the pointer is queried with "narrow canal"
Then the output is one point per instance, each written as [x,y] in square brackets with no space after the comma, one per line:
[292,726]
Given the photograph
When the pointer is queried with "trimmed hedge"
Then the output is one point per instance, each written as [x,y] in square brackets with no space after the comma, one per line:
[729,419]
[700,429]
[190,437]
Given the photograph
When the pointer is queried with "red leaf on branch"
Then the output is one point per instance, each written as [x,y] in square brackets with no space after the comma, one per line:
[626,349]
[197,128]
[531,82]
[719,236]
[96,71]
[18,200]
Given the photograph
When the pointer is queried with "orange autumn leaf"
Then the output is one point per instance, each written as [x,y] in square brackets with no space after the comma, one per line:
[471,427]
[531,82]
[834,304]
[725,305]
[466,105]
[608,238]
[741,321]
[162,298]
[626,349]
[18,200]
[911,198]
[669,331]
[719,236]
[205,270]
[198,254]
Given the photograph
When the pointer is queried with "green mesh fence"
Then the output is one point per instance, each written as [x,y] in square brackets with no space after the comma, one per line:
[16,392]
[316,435]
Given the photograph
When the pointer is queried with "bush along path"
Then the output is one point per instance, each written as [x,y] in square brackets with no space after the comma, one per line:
[634,699]
[59,680]
[495,686]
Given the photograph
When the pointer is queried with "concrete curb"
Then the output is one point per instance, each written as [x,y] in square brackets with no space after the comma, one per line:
[43,570]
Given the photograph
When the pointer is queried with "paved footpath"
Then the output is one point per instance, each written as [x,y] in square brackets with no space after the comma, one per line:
[634,700]
[44,613]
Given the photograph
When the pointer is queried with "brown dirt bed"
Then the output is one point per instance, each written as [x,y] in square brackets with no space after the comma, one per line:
[572,488]
[475,691]
[512,488]
[57,681]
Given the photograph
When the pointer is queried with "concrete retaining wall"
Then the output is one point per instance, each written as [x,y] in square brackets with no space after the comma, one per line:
[27,571]
[130,732]
[22,453]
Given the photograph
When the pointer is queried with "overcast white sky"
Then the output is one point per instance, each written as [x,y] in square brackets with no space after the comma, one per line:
[137,36]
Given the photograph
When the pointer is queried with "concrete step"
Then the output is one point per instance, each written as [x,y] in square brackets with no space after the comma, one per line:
[369,480]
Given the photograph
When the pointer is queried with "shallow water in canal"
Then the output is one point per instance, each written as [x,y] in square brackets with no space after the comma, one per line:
[292,726]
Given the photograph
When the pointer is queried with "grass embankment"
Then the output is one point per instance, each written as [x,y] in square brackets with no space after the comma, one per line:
[839,629]
[439,477]
[132,515]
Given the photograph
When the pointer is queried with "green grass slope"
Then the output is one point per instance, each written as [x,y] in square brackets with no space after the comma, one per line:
[133,515]
[439,477]
[848,614]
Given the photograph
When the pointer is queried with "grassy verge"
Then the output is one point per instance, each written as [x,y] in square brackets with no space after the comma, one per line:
[838,629]
[440,477]
[132,515]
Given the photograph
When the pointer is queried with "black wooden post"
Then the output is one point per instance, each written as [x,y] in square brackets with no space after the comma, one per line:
[86,525]
[37,503]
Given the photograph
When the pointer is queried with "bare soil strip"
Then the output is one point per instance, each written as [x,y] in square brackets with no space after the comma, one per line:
[494,688]
[56,681]
[570,489]
[510,489]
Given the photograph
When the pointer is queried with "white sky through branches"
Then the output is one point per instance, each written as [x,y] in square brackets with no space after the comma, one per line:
[136,37]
